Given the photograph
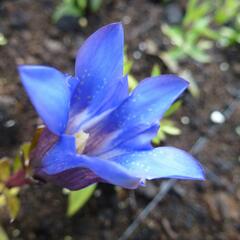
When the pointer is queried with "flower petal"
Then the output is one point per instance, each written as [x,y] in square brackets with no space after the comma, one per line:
[162,162]
[149,101]
[62,157]
[141,110]
[99,66]
[73,179]
[143,140]
[72,83]
[49,93]
[114,97]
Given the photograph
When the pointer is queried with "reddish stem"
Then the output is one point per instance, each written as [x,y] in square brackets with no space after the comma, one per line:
[18,179]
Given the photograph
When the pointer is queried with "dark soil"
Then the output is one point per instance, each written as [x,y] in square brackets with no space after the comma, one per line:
[191,210]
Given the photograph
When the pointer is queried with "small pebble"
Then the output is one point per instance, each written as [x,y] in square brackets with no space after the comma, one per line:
[237,130]
[65,191]
[122,205]
[217,117]
[97,193]
[9,123]
[185,120]
[142,46]
[126,20]
[137,55]
[53,45]
[16,232]
[151,47]
[224,66]
[83,22]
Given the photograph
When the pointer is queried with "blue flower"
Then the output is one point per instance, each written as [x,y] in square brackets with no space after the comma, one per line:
[95,130]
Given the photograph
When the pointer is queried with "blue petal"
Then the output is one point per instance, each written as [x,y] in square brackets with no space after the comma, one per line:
[72,83]
[63,157]
[149,101]
[99,66]
[162,162]
[140,111]
[142,141]
[49,93]
[115,95]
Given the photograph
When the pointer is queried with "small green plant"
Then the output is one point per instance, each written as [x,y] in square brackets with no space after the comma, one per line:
[204,23]
[190,39]
[12,177]
[75,8]
[226,11]
[227,19]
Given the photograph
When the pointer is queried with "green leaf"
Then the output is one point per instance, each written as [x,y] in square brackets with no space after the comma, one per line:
[226,10]
[3,40]
[161,136]
[2,199]
[201,24]
[127,64]
[197,30]
[175,54]
[156,71]
[193,87]
[25,149]
[95,5]
[227,36]
[82,4]
[195,11]
[77,199]
[169,128]
[205,45]
[174,33]
[210,34]
[3,234]
[199,55]
[173,109]
[4,169]
[22,158]
[17,163]
[169,61]
[66,8]
[13,204]
[132,82]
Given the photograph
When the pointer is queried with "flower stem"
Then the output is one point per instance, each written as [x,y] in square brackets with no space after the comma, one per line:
[18,179]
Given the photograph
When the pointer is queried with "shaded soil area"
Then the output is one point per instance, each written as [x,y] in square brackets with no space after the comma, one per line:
[191,210]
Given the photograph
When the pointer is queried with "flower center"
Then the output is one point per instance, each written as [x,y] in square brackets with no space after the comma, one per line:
[81,140]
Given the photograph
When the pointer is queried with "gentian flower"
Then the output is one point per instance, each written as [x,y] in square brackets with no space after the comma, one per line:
[95,130]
